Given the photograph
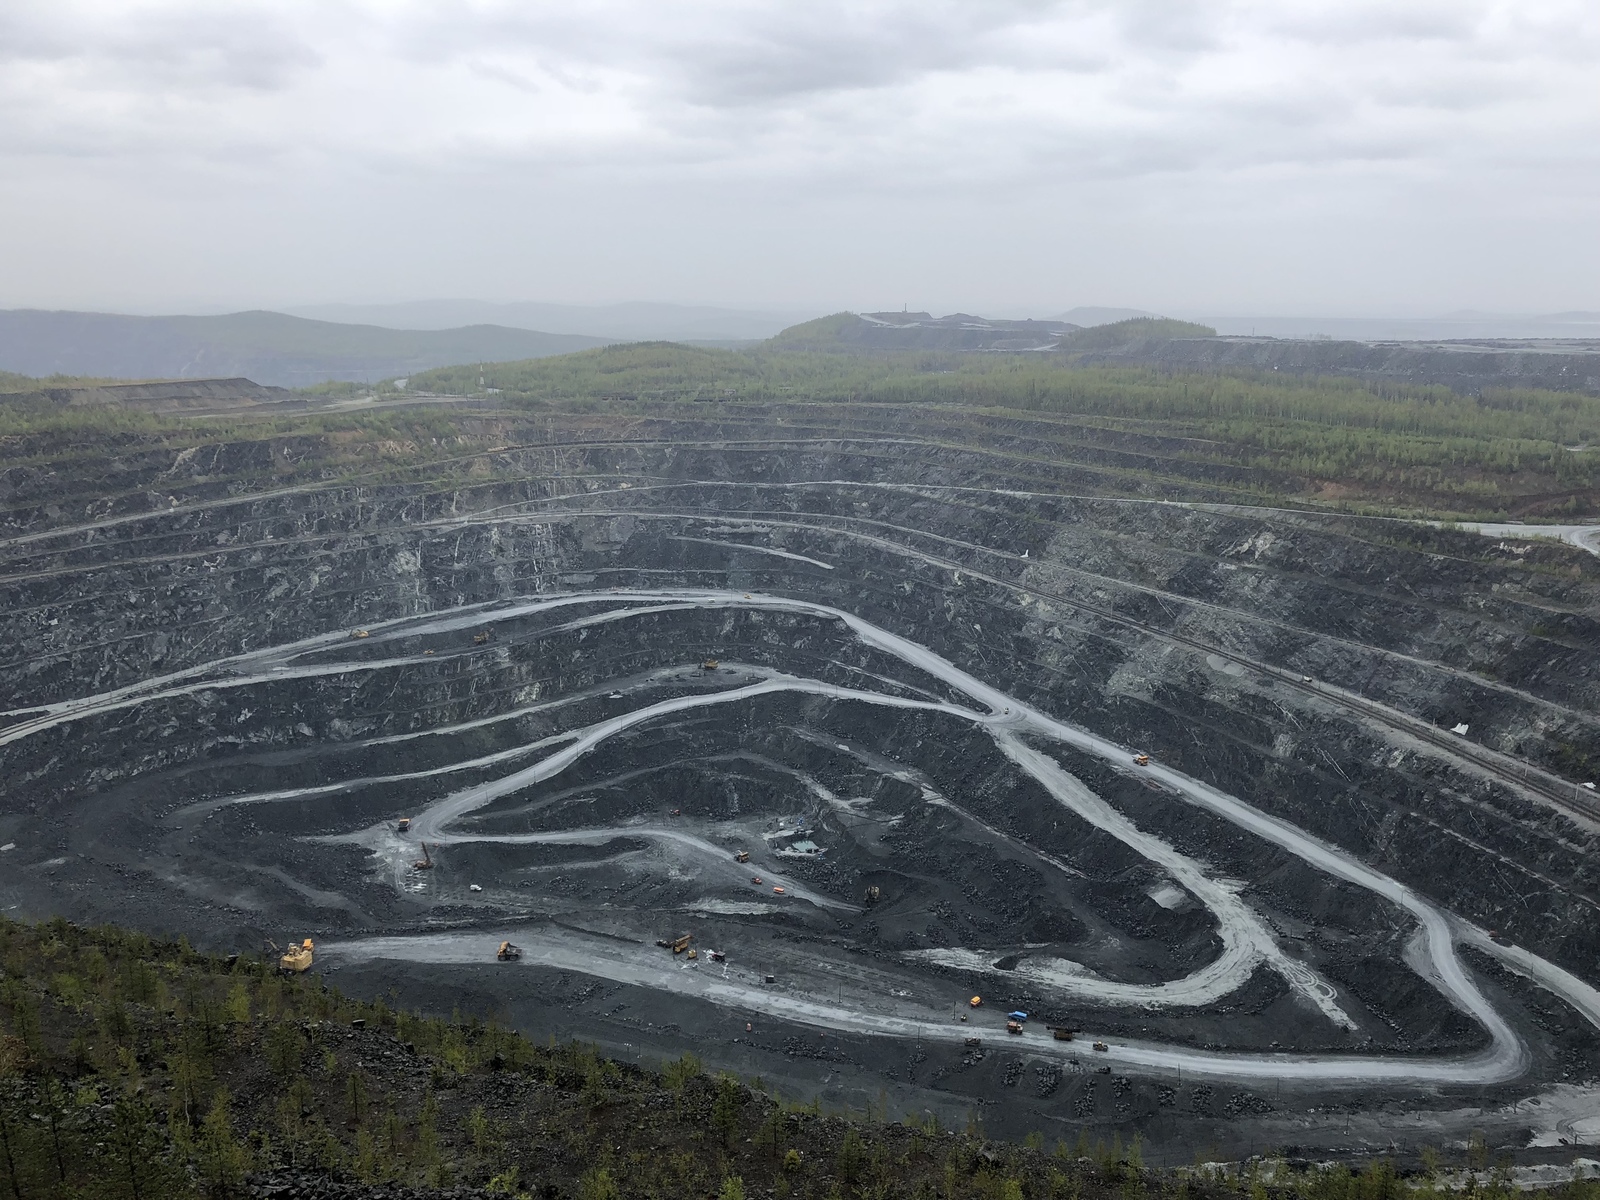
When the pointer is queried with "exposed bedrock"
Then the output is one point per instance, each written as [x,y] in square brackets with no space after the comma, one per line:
[224,694]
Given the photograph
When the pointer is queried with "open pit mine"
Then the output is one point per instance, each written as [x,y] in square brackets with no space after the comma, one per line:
[877,753]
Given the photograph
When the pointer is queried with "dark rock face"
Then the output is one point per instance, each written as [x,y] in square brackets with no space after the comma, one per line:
[268,680]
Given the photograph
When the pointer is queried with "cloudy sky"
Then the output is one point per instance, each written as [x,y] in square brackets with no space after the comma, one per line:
[1270,156]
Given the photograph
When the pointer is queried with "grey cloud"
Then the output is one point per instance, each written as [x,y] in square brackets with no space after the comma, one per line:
[939,113]
[180,46]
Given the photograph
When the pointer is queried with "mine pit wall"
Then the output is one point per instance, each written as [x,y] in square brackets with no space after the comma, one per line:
[174,591]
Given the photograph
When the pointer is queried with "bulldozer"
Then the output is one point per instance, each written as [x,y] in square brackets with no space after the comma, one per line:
[425,863]
[693,954]
[508,952]
[359,633]
[296,960]
[873,894]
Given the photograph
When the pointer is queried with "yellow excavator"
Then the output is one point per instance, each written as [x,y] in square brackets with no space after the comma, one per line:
[296,960]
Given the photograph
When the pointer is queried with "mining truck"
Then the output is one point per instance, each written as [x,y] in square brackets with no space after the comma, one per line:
[681,943]
[508,952]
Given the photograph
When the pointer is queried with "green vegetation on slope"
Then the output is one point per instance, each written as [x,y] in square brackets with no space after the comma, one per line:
[831,330]
[1135,329]
[11,383]
[136,1069]
[1391,448]
[1420,447]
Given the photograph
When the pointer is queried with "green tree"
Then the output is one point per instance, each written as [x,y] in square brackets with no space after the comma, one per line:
[733,1189]
[285,1049]
[11,1139]
[680,1071]
[220,1158]
[725,1109]
[852,1155]
[598,1184]
[428,1157]
[237,1006]
[355,1095]
[134,1147]
[58,1115]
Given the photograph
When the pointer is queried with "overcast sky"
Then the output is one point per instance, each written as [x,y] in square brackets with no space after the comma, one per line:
[1264,156]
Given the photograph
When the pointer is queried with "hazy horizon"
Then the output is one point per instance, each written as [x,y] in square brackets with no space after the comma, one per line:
[1005,157]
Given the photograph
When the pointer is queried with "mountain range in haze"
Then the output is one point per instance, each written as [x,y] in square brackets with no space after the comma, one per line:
[268,347]
[371,342]
[632,322]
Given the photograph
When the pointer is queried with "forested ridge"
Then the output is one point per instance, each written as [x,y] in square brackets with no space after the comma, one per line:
[1420,447]
[1336,443]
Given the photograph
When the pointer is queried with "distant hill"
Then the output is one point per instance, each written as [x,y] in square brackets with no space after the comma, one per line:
[270,348]
[630,370]
[1135,329]
[631,322]
[1089,316]
[857,332]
